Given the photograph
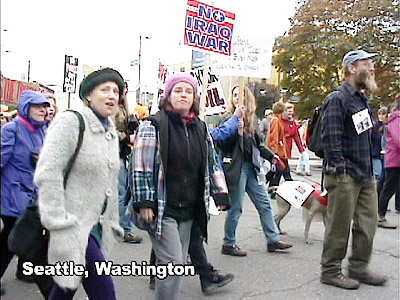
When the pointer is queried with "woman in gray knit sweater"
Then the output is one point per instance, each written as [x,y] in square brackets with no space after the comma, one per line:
[82,218]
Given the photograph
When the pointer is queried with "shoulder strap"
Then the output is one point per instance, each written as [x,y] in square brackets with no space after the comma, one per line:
[347,95]
[77,148]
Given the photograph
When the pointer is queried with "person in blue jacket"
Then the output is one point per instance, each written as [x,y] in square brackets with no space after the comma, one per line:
[21,141]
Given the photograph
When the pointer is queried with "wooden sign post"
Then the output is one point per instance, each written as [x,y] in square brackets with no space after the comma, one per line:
[241,102]
[202,105]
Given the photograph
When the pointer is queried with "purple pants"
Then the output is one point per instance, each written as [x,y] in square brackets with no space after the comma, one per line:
[96,287]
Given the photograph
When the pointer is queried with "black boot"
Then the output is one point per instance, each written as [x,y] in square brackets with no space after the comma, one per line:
[213,280]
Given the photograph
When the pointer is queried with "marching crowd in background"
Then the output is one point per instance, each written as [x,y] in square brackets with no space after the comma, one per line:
[158,173]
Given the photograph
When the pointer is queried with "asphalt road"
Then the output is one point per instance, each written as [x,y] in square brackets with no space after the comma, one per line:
[260,275]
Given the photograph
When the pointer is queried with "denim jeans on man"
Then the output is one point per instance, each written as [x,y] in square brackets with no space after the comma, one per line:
[124,220]
[258,193]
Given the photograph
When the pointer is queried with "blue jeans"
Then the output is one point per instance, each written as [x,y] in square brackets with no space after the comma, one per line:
[124,220]
[258,193]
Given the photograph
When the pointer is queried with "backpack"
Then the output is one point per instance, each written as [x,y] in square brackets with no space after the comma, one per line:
[314,133]
[314,130]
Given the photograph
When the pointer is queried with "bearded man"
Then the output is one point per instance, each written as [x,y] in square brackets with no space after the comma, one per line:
[346,138]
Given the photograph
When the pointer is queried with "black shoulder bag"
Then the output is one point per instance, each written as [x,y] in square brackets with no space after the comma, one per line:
[28,238]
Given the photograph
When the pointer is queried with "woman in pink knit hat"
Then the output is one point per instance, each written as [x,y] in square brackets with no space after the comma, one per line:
[172,168]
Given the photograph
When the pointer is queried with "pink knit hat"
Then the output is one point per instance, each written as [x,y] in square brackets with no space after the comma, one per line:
[180,77]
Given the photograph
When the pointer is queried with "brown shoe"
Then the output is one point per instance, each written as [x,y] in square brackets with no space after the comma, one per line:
[340,281]
[386,224]
[233,250]
[368,277]
[133,239]
[272,247]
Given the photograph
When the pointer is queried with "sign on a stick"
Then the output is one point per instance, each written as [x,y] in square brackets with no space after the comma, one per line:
[70,74]
[209,28]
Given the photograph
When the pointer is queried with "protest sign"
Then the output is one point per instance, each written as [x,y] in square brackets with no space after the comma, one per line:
[209,28]
[250,58]
[295,192]
[70,74]
[215,98]
[215,102]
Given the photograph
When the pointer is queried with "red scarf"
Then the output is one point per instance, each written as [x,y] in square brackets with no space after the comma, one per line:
[185,119]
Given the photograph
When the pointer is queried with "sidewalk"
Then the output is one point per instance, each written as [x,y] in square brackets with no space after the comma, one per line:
[315,161]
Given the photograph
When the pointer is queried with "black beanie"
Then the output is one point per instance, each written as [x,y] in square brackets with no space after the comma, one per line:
[98,77]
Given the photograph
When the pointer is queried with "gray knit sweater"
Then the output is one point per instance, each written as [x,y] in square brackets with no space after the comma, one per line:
[70,214]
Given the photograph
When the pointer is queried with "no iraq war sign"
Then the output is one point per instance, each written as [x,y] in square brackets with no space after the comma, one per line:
[209,28]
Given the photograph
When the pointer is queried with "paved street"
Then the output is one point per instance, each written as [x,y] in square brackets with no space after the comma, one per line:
[260,275]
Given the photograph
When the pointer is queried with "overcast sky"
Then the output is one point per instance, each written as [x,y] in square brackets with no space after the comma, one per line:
[106,33]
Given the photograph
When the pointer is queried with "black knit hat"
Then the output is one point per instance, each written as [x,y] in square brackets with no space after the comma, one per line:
[98,77]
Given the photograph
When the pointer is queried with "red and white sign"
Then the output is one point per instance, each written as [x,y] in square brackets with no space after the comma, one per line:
[209,28]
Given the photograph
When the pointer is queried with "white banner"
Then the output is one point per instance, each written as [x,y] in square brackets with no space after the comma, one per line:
[250,58]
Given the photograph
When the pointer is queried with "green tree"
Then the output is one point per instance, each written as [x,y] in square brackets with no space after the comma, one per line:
[322,31]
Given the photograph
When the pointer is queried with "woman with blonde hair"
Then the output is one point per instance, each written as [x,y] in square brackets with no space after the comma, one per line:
[242,158]
[52,110]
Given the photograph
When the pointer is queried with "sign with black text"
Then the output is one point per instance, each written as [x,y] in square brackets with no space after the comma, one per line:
[70,74]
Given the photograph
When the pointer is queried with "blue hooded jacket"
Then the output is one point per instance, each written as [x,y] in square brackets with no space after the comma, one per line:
[19,138]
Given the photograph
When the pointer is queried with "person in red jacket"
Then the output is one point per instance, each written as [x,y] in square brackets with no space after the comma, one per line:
[291,130]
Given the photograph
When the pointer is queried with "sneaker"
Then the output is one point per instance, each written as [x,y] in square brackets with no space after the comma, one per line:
[308,174]
[340,281]
[233,250]
[24,278]
[133,239]
[214,280]
[272,247]
[386,224]
[368,277]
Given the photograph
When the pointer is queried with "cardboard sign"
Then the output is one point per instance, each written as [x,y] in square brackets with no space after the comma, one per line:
[215,99]
[209,28]
[295,192]
[250,58]
[215,103]
[70,74]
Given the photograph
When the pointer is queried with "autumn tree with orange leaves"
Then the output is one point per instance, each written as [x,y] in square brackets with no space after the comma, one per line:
[322,31]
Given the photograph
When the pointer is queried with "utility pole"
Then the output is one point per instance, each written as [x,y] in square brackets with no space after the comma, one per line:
[140,62]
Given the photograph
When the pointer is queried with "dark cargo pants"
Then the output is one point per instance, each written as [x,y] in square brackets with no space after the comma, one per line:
[349,200]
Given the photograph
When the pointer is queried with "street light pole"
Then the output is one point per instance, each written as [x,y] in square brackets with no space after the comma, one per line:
[140,62]
[140,59]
